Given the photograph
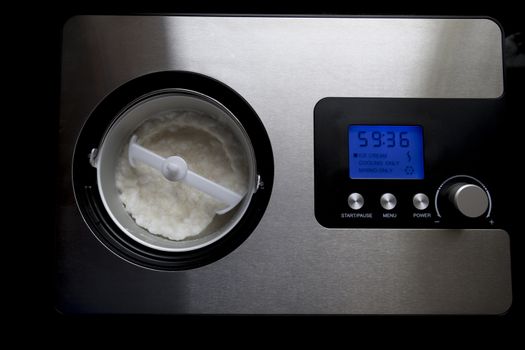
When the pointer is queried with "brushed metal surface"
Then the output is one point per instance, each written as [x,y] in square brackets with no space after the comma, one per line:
[282,67]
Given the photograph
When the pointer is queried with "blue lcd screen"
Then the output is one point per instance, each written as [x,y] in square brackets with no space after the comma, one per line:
[386,152]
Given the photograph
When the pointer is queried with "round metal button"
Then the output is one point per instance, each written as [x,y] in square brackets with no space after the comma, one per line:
[420,201]
[355,201]
[471,200]
[388,201]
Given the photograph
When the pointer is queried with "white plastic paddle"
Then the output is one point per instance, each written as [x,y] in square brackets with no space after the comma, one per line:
[175,169]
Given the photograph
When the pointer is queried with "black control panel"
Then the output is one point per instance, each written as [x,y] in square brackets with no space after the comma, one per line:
[406,163]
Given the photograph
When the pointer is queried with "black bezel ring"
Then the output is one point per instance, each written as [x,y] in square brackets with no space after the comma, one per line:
[85,177]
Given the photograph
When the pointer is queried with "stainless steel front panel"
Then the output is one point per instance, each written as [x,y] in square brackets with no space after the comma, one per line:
[283,67]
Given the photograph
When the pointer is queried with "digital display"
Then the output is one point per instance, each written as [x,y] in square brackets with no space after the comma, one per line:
[386,152]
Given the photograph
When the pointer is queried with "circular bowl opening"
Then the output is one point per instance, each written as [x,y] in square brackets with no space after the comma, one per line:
[116,140]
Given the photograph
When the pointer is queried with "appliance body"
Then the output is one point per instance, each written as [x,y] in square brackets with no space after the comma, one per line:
[296,260]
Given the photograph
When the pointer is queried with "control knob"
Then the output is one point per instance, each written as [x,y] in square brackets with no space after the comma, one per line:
[469,199]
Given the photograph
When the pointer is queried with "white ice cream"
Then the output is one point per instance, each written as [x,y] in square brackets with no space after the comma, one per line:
[172,209]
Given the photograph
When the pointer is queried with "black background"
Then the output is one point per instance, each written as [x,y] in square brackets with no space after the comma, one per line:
[34,39]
